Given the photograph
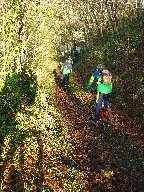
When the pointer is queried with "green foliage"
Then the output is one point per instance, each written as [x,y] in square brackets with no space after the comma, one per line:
[37,150]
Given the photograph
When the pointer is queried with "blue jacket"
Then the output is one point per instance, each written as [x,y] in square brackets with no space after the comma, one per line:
[95,76]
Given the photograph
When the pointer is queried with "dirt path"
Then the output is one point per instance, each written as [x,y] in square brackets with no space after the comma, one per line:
[111,159]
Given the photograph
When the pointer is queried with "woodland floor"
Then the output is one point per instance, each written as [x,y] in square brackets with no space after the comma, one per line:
[112,159]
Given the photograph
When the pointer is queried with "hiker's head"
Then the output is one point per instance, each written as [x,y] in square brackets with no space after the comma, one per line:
[70,61]
[100,67]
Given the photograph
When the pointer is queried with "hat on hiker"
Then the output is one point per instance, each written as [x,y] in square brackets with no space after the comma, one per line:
[100,67]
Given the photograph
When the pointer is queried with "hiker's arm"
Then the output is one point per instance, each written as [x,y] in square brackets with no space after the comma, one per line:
[71,68]
[90,82]
[61,68]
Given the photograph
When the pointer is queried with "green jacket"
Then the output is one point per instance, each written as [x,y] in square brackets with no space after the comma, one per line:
[102,88]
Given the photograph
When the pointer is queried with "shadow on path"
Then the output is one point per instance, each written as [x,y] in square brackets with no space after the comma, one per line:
[17,94]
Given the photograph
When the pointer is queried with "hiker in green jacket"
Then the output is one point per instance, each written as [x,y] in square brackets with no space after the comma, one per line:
[103,89]
[66,70]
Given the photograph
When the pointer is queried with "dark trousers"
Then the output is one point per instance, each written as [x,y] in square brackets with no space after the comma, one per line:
[65,80]
[99,103]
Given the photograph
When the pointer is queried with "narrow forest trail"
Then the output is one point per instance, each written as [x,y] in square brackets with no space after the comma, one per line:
[111,161]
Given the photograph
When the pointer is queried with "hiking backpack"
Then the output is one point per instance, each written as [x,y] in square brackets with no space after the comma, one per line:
[106,77]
